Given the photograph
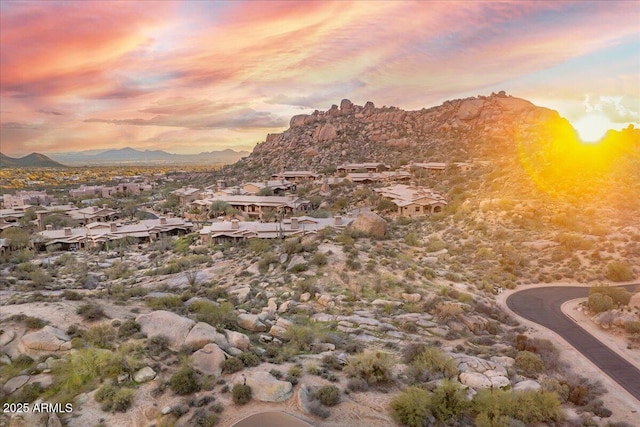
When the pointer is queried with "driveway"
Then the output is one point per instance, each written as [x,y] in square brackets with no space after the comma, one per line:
[543,306]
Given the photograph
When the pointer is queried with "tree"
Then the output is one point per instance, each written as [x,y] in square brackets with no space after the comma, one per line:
[217,208]
[17,238]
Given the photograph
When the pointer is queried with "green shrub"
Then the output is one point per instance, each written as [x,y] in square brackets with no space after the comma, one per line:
[411,407]
[529,363]
[319,259]
[497,408]
[122,400]
[34,322]
[448,402]
[432,363]
[101,336]
[219,316]
[184,381]
[105,396]
[619,271]
[241,394]
[72,295]
[249,359]
[128,328]
[328,395]
[157,345]
[231,365]
[598,302]
[620,296]
[374,368]
[169,302]
[90,312]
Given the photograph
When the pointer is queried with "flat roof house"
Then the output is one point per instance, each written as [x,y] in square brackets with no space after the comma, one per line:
[413,201]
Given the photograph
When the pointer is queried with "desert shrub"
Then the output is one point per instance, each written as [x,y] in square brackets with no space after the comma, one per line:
[448,311]
[241,394]
[411,407]
[157,345]
[219,316]
[374,368]
[34,322]
[632,327]
[184,381]
[113,398]
[412,350]
[101,336]
[328,395]
[493,408]
[266,260]
[202,419]
[620,296]
[72,295]
[231,365]
[598,302]
[105,395]
[128,328]
[529,363]
[260,246]
[90,312]
[27,393]
[431,364]
[249,359]
[302,336]
[357,384]
[619,271]
[448,402]
[319,259]
[291,246]
[168,302]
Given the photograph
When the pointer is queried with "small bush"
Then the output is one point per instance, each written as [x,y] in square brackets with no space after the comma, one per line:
[249,359]
[105,396]
[128,328]
[241,394]
[72,295]
[157,345]
[90,312]
[101,336]
[529,363]
[598,302]
[374,368]
[328,395]
[122,400]
[184,381]
[219,316]
[231,365]
[619,271]
[169,302]
[432,363]
[34,322]
[411,407]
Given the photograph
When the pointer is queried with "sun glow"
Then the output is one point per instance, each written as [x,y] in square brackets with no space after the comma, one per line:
[591,128]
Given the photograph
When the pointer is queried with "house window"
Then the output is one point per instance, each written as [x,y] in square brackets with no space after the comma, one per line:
[417,209]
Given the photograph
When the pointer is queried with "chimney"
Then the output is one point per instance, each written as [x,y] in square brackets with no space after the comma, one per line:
[170,215]
[294,223]
[235,224]
[49,227]
[104,206]
[163,220]
[338,220]
[291,197]
[67,231]
[114,227]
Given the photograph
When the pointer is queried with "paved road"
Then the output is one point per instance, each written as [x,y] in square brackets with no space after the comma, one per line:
[271,419]
[542,305]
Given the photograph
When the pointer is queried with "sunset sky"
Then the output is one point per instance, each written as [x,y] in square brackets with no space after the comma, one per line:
[193,76]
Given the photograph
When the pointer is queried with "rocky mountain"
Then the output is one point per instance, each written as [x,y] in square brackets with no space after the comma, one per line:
[456,130]
[33,160]
[130,155]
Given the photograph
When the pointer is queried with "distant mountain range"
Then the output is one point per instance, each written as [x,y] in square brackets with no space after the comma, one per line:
[33,160]
[130,155]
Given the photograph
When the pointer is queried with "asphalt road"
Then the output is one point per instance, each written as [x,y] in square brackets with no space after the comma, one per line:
[542,306]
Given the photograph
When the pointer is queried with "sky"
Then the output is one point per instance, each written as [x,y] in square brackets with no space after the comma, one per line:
[194,76]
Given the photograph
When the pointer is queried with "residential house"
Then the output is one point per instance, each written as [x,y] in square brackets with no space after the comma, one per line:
[97,234]
[25,198]
[413,201]
[187,195]
[235,231]
[277,187]
[360,167]
[260,207]
[297,176]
